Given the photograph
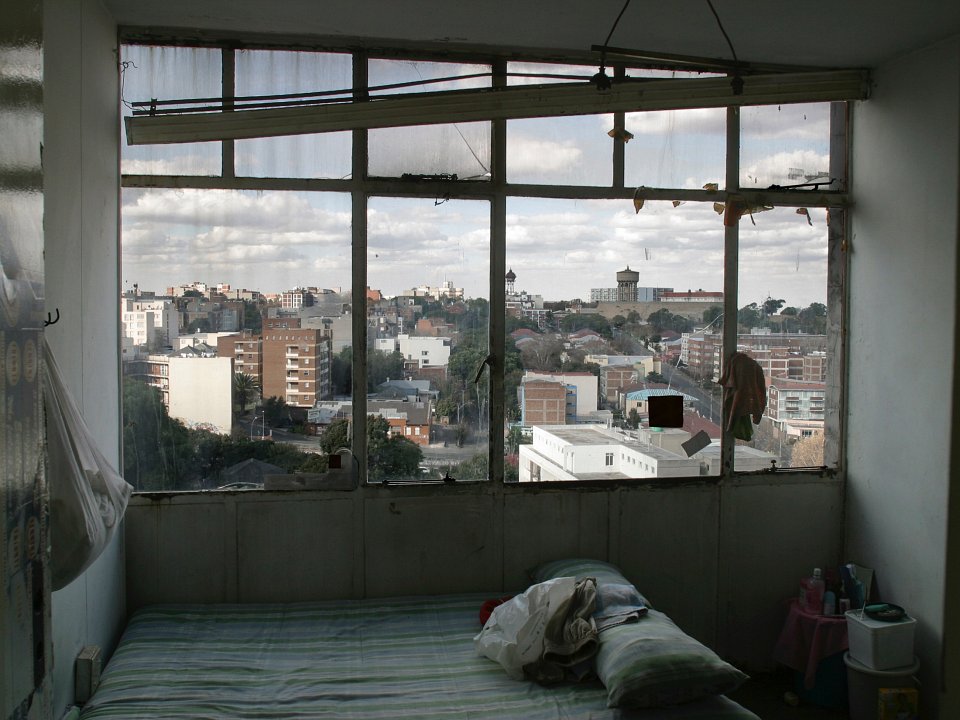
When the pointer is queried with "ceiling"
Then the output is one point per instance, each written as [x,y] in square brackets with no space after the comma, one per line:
[852,33]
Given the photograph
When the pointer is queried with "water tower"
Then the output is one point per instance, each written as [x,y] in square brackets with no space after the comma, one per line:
[627,285]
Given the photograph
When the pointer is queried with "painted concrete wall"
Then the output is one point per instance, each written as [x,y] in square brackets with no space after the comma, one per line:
[903,288]
[80,224]
[721,560]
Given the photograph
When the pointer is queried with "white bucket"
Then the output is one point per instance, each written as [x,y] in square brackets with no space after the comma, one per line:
[863,685]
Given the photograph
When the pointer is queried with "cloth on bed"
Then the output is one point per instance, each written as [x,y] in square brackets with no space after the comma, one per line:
[357,660]
[617,604]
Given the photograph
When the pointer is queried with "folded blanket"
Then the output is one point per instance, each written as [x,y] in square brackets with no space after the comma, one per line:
[618,604]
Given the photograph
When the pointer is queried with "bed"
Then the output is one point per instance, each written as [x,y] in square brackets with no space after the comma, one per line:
[373,658]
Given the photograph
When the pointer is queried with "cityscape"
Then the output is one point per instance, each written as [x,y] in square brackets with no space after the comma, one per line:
[228,387]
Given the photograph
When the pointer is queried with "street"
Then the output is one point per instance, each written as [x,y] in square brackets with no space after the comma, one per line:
[708,405]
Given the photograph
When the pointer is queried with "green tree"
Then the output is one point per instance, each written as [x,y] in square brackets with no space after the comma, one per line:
[336,436]
[341,372]
[711,314]
[245,388]
[749,316]
[252,319]
[633,418]
[771,306]
[813,319]
[157,449]
[389,456]
[199,325]
[382,366]
[579,321]
[276,412]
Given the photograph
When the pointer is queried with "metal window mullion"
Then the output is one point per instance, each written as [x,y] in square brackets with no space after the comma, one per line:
[497,320]
[731,259]
[228,81]
[358,232]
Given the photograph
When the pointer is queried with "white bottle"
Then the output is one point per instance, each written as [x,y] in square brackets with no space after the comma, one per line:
[811,593]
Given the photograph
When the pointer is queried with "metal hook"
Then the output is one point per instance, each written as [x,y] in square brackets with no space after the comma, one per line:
[48,321]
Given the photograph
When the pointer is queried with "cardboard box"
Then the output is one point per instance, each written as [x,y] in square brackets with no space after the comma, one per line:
[880,645]
[899,704]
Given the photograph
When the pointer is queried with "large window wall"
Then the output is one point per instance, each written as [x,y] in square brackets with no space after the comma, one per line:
[525,291]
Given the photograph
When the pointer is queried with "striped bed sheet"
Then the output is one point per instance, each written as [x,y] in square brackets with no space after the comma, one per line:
[362,659]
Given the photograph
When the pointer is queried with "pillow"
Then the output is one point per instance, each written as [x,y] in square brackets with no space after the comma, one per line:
[579,568]
[653,663]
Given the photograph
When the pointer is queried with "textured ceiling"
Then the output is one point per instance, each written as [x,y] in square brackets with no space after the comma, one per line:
[852,33]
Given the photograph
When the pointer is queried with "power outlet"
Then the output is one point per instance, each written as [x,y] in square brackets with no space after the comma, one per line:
[87,675]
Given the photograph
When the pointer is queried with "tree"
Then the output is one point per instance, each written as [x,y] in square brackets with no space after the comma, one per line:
[199,325]
[711,315]
[813,319]
[157,449]
[245,387]
[276,412]
[341,372]
[542,353]
[252,319]
[577,321]
[336,436]
[633,418]
[771,306]
[389,456]
[807,452]
[382,366]
[445,407]
[749,316]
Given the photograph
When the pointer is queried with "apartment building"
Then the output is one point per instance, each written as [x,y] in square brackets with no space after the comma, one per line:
[422,352]
[246,349]
[149,321]
[791,402]
[296,365]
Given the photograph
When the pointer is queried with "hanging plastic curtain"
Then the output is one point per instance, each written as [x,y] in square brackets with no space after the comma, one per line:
[87,495]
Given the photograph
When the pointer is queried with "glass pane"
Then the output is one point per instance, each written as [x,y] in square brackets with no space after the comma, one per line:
[428,309]
[782,325]
[599,303]
[270,72]
[231,311]
[676,148]
[461,149]
[523,73]
[560,151]
[784,144]
[169,73]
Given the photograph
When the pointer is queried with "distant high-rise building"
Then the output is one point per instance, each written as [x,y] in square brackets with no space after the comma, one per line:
[296,365]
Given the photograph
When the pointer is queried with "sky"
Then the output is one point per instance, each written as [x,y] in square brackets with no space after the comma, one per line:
[560,249]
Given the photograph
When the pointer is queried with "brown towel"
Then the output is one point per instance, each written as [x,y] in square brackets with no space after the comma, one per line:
[744,389]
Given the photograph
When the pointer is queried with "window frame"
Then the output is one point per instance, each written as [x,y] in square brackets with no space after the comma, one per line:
[496,192]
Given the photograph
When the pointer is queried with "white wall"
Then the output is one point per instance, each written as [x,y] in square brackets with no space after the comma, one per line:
[903,286]
[80,224]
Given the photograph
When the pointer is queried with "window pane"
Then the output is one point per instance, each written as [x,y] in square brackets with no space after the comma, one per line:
[676,148]
[219,284]
[461,149]
[169,73]
[782,319]
[560,151]
[428,315]
[581,372]
[270,72]
[784,144]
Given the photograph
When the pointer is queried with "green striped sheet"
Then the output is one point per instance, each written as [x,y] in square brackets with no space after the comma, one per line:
[379,658]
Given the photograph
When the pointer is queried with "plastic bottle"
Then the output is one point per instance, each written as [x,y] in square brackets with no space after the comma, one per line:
[811,593]
[829,603]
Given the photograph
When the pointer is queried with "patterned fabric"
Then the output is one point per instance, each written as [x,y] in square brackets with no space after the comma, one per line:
[602,572]
[389,658]
[653,663]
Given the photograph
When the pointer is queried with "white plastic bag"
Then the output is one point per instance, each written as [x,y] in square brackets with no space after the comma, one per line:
[513,635]
[87,495]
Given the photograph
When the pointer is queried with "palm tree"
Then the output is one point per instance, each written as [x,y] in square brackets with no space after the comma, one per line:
[244,388]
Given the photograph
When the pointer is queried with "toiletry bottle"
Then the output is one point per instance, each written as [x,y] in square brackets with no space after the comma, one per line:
[811,593]
[829,603]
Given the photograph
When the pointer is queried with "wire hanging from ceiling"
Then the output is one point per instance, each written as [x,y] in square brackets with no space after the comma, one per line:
[601,79]
[736,82]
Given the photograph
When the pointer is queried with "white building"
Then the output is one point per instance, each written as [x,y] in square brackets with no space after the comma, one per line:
[790,401]
[145,321]
[425,351]
[589,452]
[196,390]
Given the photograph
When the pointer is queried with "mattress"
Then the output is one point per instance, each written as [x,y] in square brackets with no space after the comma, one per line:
[377,658]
